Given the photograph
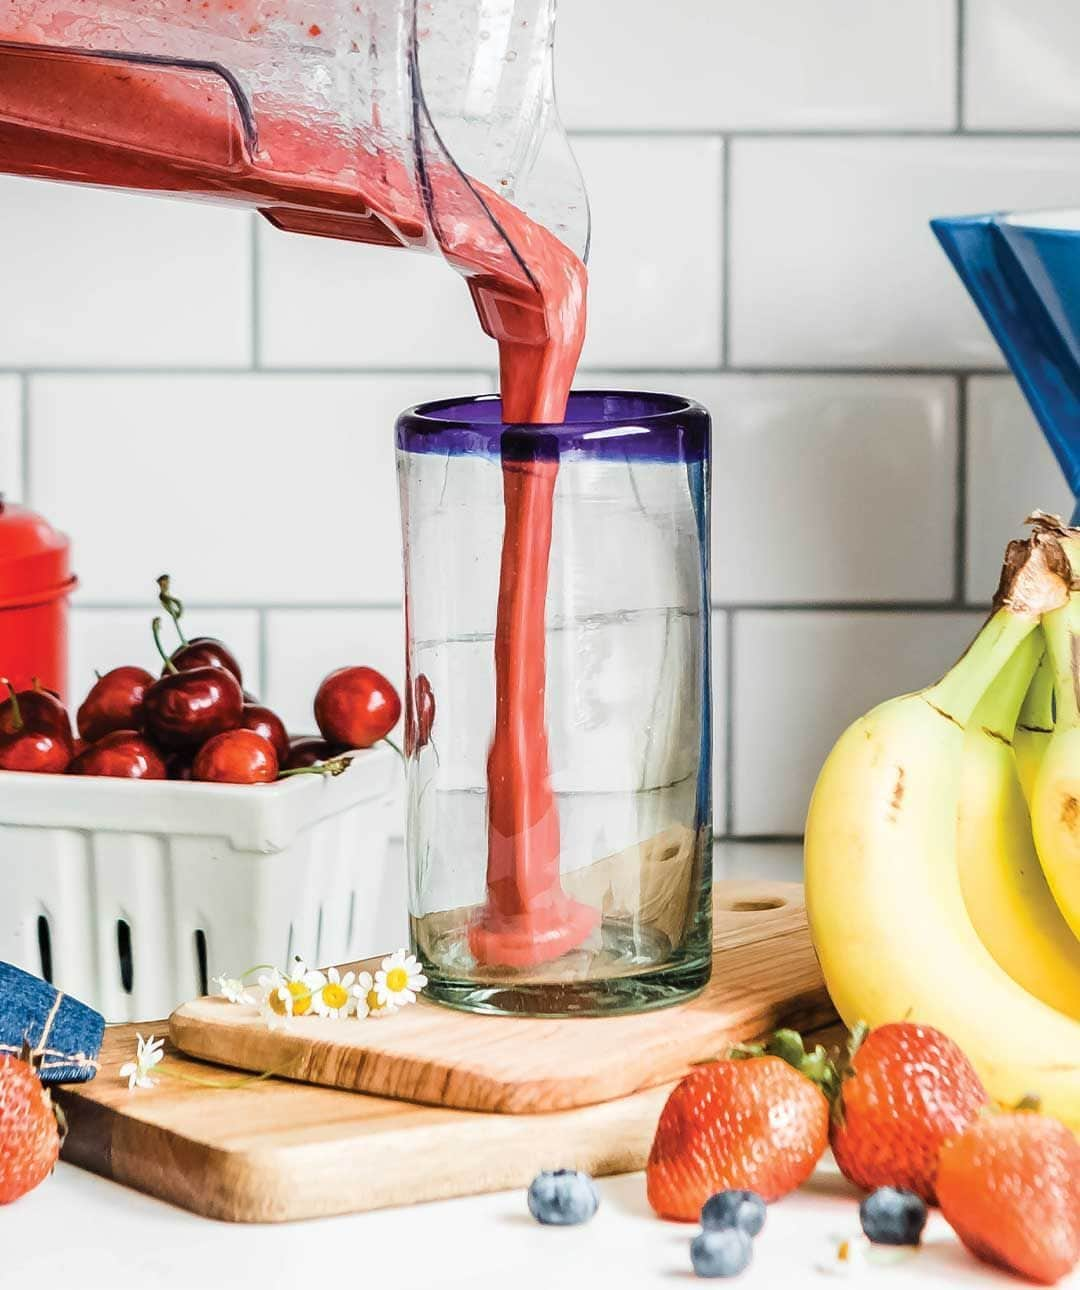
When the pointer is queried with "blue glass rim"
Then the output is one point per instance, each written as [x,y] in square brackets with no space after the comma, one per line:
[614,425]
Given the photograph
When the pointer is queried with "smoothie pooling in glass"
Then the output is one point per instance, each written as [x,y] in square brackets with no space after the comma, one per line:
[99,120]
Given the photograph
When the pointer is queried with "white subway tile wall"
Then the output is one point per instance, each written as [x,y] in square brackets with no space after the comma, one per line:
[208,396]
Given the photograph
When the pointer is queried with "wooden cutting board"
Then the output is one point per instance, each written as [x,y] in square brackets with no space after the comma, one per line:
[765,974]
[277,1151]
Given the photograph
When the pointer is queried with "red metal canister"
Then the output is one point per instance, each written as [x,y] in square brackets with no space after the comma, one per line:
[35,583]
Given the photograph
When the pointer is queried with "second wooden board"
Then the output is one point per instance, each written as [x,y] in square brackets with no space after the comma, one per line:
[765,974]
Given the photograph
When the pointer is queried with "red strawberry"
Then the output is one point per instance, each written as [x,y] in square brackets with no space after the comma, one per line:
[751,1122]
[1010,1187]
[905,1090]
[29,1136]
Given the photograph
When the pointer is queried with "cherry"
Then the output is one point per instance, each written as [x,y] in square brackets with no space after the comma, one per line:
[307,750]
[268,724]
[184,709]
[114,703]
[200,651]
[355,707]
[44,752]
[121,754]
[35,709]
[236,757]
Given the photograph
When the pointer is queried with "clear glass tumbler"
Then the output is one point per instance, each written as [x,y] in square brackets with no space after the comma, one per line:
[559,824]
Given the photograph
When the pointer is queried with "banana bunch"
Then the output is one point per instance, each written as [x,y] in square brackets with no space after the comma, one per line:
[942,850]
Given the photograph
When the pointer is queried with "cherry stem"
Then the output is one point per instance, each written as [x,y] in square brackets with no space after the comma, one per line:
[14,700]
[333,766]
[173,607]
[387,740]
[156,628]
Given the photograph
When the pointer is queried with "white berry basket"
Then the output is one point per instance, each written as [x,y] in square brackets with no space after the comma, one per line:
[130,895]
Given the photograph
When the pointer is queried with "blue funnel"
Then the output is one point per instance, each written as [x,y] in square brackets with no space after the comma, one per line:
[1023,271]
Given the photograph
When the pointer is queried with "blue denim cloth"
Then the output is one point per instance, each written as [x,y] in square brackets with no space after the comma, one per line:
[63,1034]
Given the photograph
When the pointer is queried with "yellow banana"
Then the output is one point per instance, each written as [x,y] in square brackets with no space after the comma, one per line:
[883,889]
[1005,892]
[1055,802]
[1035,726]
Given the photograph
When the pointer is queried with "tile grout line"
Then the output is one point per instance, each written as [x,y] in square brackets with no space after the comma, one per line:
[961,54]
[725,252]
[254,298]
[263,650]
[745,369]
[960,527]
[729,723]
[947,606]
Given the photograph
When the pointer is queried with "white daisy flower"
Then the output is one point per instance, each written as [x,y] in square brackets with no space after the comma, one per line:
[399,980]
[362,993]
[334,998]
[147,1055]
[854,1256]
[233,989]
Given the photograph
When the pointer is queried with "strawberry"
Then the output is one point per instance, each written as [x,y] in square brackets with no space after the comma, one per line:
[29,1134]
[757,1120]
[905,1089]
[1010,1187]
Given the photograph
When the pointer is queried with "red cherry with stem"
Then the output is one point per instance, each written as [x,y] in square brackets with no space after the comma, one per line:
[113,703]
[121,754]
[200,651]
[42,752]
[308,750]
[34,709]
[355,707]
[268,724]
[236,757]
[184,709]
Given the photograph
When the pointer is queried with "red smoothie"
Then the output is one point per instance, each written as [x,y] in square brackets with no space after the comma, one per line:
[113,124]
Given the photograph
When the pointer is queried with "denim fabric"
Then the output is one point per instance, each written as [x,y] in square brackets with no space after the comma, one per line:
[62,1033]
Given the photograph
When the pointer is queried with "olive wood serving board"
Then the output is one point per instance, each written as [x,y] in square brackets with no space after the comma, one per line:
[765,974]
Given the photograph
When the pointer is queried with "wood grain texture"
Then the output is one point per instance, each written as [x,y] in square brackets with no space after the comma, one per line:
[278,1151]
[765,974]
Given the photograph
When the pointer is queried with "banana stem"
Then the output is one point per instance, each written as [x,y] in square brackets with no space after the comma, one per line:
[999,708]
[1062,632]
[1037,712]
[959,691]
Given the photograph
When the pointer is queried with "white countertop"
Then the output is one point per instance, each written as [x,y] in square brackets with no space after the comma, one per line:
[80,1230]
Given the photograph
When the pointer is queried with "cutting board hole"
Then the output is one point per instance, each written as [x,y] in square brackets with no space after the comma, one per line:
[756,906]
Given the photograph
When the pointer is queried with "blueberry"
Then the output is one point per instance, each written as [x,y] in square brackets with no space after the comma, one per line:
[890,1216]
[563,1198]
[721,1252]
[743,1209]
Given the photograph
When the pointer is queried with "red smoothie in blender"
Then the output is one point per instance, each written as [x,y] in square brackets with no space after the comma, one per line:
[107,121]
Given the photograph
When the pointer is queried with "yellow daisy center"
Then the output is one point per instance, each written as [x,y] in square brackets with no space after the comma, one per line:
[301,997]
[373,1000]
[277,1003]
[334,995]
[397,979]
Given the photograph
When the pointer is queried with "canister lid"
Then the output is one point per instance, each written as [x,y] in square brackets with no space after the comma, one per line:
[34,557]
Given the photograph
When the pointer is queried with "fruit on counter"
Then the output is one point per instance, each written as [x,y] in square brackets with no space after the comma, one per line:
[114,702]
[308,750]
[721,1252]
[905,1089]
[26,748]
[893,1216]
[34,709]
[257,717]
[886,909]
[1031,738]
[736,1207]
[1010,1188]
[29,1133]
[236,757]
[121,754]
[200,651]
[753,1121]
[355,707]
[1005,891]
[563,1198]
[182,710]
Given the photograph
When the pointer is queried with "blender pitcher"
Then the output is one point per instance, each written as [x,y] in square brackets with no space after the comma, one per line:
[557,703]
[404,123]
